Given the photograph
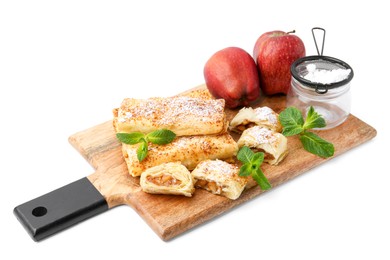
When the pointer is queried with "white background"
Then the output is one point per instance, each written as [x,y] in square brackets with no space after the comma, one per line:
[65,64]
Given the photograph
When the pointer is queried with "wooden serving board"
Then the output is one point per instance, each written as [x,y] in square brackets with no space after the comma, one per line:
[170,215]
[167,215]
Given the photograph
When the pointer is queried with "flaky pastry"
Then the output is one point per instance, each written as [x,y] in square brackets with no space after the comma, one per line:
[168,178]
[192,114]
[261,116]
[261,139]
[189,150]
[219,177]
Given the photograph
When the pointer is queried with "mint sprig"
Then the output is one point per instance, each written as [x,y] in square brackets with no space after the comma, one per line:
[159,137]
[142,150]
[162,136]
[251,166]
[293,123]
[130,138]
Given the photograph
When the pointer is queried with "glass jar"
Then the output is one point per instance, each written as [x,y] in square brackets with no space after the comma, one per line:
[330,97]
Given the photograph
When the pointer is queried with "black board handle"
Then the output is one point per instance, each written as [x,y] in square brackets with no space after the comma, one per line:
[60,209]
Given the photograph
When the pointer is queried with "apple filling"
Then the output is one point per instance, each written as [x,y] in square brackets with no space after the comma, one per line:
[209,185]
[163,180]
[267,156]
[245,125]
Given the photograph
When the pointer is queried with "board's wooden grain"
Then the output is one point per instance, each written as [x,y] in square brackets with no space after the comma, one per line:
[170,215]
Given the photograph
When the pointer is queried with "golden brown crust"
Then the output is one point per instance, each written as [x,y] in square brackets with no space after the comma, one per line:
[192,114]
[168,178]
[273,144]
[219,178]
[198,93]
[261,116]
[189,150]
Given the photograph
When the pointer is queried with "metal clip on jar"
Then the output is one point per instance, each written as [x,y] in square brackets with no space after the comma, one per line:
[331,100]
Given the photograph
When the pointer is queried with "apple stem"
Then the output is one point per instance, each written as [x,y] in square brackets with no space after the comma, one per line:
[293,31]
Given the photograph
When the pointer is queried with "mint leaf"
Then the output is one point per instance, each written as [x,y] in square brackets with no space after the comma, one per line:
[257,160]
[293,124]
[245,154]
[142,150]
[245,170]
[313,120]
[260,178]
[251,166]
[162,136]
[316,145]
[292,121]
[291,130]
[130,138]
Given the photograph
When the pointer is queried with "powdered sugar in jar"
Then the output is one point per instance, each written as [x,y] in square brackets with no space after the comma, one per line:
[324,83]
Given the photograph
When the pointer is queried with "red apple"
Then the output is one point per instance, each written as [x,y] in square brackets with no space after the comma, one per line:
[231,74]
[274,52]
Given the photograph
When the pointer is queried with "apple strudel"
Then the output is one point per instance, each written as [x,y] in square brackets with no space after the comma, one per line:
[184,115]
[189,150]
[219,177]
[261,116]
[168,178]
[261,139]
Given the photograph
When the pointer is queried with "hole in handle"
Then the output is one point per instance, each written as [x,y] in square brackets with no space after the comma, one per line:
[60,209]
[39,211]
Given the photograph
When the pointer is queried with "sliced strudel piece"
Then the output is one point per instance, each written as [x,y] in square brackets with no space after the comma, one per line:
[261,116]
[184,115]
[168,178]
[189,150]
[261,139]
[219,177]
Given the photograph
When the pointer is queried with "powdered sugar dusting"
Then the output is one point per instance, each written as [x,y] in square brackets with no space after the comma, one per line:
[261,134]
[182,107]
[218,170]
[266,114]
[170,111]
[128,115]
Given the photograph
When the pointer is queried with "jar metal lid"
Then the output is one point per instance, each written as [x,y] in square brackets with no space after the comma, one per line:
[322,62]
